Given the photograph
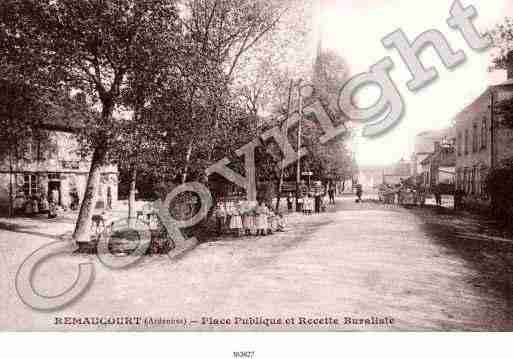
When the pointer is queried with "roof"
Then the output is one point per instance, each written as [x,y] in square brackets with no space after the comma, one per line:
[446,155]
[474,106]
[424,141]
[71,116]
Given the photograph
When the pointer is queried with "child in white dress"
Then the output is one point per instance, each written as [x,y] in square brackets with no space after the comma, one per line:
[262,222]
[248,217]
[236,220]
[280,223]
[309,204]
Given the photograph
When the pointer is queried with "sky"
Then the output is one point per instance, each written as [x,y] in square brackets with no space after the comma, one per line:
[354,28]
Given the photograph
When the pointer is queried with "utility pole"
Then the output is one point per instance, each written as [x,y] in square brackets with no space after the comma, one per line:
[492,128]
[285,132]
[299,131]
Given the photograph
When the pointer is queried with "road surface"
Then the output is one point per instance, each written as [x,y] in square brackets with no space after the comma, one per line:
[357,267]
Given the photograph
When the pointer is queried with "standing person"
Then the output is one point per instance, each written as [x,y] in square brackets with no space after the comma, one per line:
[220,214]
[54,197]
[44,205]
[331,193]
[109,199]
[317,199]
[438,196]
[272,222]
[289,202]
[309,205]
[28,208]
[359,192]
[248,218]
[19,203]
[52,212]
[301,202]
[35,205]
[236,220]
[74,200]
[280,222]
[458,199]
[262,223]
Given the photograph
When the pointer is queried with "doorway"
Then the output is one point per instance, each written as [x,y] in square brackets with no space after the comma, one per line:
[54,191]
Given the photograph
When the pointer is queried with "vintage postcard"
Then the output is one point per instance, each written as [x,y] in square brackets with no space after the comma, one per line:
[256,165]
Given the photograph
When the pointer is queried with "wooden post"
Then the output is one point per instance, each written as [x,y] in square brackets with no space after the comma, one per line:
[298,168]
[285,130]
[11,197]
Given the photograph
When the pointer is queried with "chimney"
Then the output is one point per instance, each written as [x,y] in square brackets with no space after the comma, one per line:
[509,65]
[437,146]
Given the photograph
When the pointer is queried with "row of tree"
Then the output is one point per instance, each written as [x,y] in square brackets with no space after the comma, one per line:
[160,87]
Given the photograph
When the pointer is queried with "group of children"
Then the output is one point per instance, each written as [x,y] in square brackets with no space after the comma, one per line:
[35,205]
[248,218]
[311,204]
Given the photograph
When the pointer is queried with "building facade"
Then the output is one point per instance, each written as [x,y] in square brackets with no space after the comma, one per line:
[425,146]
[481,141]
[439,168]
[52,166]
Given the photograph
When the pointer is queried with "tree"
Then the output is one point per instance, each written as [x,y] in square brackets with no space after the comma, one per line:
[498,183]
[224,31]
[90,46]
[20,113]
[330,74]
[502,59]
[265,71]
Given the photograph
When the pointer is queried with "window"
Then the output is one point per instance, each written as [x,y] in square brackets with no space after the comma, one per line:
[475,181]
[484,190]
[54,176]
[475,144]
[484,134]
[460,143]
[30,185]
[466,142]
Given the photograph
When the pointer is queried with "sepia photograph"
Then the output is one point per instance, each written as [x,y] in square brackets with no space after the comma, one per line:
[240,166]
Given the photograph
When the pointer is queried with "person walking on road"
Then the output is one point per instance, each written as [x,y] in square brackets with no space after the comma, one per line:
[289,202]
[359,193]
[317,202]
[331,194]
[438,196]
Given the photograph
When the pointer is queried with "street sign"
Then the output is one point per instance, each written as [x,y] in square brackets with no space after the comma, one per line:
[307,173]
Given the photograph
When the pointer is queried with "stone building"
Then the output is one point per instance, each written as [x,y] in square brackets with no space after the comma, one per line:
[52,165]
[482,141]
[439,167]
[371,177]
[424,146]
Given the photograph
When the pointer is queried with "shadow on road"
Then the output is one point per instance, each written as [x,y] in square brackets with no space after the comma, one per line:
[481,242]
[24,229]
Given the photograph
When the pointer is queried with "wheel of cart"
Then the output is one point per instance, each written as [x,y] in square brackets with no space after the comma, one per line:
[161,240]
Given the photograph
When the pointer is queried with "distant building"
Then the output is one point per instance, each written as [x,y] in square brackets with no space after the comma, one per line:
[398,172]
[425,146]
[439,168]
[370,177]
[52,166]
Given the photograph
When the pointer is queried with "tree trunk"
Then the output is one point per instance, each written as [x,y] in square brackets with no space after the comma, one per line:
[131,197]
[278,196]
[187,162]
[11,194]
[84,220]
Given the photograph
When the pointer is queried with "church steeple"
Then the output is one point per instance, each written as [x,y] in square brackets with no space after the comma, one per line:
[317,64]
[320,35]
